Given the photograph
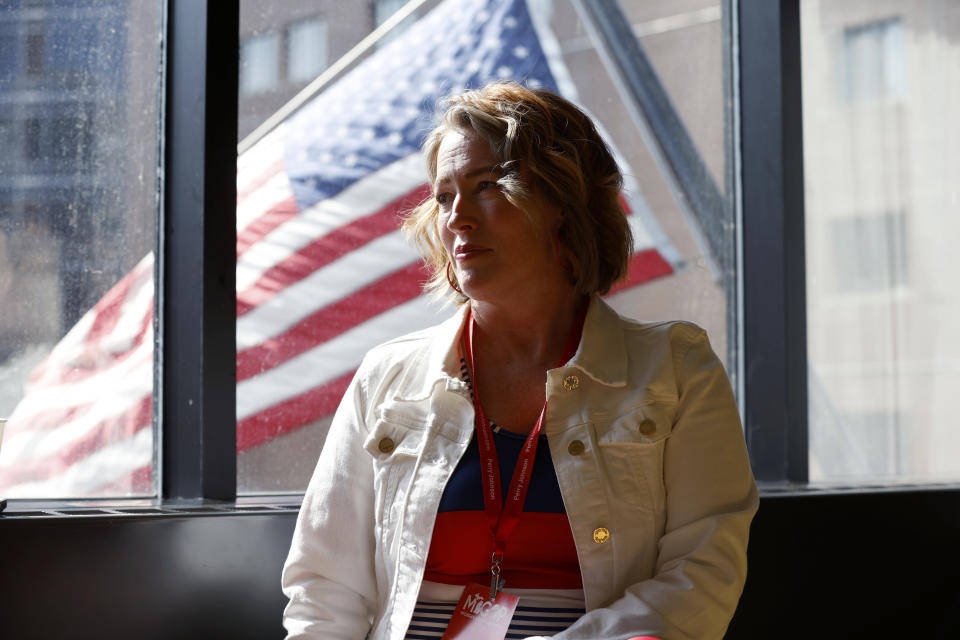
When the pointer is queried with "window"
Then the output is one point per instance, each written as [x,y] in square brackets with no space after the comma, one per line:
[869,252]
[307,50]
[880,198]
[872,61]
[36,54]
[259,63]
[323,273]
[78,206]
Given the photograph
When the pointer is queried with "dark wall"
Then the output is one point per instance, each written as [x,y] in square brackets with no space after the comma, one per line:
[821,566]
[151,576]
[858,565]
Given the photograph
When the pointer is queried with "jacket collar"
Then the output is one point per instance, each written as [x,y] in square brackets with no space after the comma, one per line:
[601,355]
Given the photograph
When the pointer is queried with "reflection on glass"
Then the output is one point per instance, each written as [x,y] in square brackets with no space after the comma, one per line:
[880,145]
[78,198]
[323,273]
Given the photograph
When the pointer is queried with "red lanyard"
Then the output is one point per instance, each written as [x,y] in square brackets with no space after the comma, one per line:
[502,518]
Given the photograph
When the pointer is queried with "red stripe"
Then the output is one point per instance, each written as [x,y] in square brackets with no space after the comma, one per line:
[396,288]
[107,311]
[291,414]
[261,179]
[326,249]
[644,266]
[275,216]
[114,429]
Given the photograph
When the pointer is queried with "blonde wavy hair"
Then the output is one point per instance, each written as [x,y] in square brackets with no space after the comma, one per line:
[538,136]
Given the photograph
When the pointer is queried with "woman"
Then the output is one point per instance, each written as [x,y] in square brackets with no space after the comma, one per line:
[636,512]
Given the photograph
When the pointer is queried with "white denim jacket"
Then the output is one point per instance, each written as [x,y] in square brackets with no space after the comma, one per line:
[658,488]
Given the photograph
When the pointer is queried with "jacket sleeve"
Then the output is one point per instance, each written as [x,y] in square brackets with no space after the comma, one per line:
[711,498]
[329,574]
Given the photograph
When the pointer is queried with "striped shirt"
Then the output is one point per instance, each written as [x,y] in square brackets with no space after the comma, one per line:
[540,563]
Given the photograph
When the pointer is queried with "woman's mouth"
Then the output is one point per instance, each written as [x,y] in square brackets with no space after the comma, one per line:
[467,251]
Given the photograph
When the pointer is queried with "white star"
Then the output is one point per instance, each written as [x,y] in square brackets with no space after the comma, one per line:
[509,22]
[351,160]
[395,139]
[504,72]
[521,52]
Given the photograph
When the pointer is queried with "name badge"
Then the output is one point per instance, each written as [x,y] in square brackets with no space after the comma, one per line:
[477,617]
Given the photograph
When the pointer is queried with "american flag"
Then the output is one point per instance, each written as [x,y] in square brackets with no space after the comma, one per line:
[323,272]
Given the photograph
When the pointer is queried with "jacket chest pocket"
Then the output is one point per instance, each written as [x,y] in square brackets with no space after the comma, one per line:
[394,448]
[631,452]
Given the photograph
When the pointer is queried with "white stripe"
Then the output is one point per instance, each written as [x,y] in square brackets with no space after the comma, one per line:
[137,306]
[334,358]
[131,375]
[270,194]
[111,402]
[362,198]
[257,160]
[100,468]
[324,286]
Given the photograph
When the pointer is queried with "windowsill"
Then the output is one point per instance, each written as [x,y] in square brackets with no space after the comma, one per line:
[20,509]
[784,490]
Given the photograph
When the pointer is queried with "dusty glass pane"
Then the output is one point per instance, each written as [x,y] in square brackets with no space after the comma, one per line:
[79,87]
[323,273]
[881,136]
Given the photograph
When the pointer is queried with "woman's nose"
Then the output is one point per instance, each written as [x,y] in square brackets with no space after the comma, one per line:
[461,215]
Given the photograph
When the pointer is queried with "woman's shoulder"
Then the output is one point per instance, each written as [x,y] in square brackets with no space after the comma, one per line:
[676,333]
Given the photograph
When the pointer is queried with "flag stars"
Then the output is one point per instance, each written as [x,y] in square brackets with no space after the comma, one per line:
[395,139]
[351,160]
[369,134]
[504,72]
[521,52]
[509,22]
[482,16]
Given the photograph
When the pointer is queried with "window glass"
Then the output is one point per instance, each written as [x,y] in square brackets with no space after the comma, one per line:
[259,63]
[880,166]
[79,185]
[307,54]
[323,272]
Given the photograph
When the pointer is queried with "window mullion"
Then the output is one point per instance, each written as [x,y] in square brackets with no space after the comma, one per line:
[196,394]
[774,307]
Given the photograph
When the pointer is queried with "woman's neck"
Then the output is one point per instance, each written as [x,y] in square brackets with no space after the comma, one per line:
[533,333]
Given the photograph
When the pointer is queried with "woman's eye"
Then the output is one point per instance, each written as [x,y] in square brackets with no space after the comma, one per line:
[442,198]
[485,185]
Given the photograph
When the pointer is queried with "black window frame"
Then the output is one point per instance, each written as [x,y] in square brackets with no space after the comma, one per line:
[195,278]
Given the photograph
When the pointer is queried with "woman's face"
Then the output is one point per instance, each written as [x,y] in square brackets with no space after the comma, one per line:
[499,254]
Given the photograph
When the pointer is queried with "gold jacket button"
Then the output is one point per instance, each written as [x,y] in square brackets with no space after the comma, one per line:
[575,448]
[386,445]
[601,535]
[648,427]
[571,382]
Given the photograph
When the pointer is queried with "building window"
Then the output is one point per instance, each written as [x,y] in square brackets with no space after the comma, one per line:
[259,63]
[306,50]
[873,61]
[869,252]
[36,45]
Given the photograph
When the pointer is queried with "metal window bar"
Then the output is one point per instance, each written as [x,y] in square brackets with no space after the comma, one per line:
[196,275]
